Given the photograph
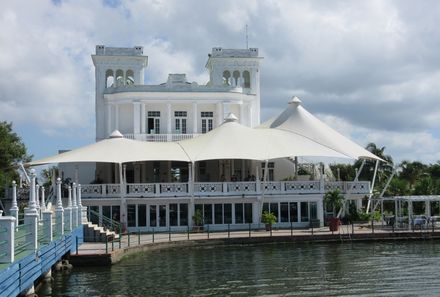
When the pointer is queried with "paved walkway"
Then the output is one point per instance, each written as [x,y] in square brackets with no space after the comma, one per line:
[135,239]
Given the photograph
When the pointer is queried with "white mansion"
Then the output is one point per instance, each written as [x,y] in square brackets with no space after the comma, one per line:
[164,194]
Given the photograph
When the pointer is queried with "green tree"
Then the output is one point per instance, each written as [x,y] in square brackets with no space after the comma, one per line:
[412,171]
[12,150]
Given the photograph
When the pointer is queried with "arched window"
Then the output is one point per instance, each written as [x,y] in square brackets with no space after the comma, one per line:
[236,76]
[226,76]
[129,77]
[119,77]
[109,78]
[247,79]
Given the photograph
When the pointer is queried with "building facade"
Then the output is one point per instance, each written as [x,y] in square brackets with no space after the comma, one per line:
[229,193]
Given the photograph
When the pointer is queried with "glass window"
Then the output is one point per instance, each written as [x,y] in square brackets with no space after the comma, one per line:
[162,215]
[284,206]
[180,113]
[183,214]
[92,217]
[153,213]
[304,211]
[106,212]
[154,113]
[248,213]
[313,210]
[131,215]
[207,213]
[142,215]
[293,212]
[173,214]
[274,210]
[218,213]
[207,114]
[239,213]
[116,212]
[228,213]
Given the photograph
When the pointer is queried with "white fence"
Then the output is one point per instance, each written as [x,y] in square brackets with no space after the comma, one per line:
[222,188]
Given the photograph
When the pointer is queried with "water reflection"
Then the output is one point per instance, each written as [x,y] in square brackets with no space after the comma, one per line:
[360,269]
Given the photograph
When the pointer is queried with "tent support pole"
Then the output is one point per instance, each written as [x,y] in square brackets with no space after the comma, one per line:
[191,176]
[350,189]
[372,186]
[264,189]
[385,188]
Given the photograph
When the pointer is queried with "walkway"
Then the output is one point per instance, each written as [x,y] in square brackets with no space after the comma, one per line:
[113,251]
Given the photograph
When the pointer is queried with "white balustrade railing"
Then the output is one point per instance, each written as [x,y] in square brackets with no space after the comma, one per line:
[223,188]
[302,187]
[208,188]
[174,189]
[140,190]
[160,137]
[272,187]
[242,187]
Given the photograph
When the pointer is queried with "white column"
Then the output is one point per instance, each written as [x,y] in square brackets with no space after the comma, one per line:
[37,197]
[242,114]
[47,225]
[68,211]
[32,208]
[219,112]
[195,118]
[74,207]
[116,117]
[320,211]
[31,217]
[43,200]
[428,208]
[136,118]
[109,119]
[143,119]
[169,120]
[8,236]
[59,211]
[14,209]
[82,211]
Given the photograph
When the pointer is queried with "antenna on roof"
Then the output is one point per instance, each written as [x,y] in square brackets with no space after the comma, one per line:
[247,39]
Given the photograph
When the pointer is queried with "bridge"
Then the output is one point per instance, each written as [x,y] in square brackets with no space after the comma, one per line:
[31,243]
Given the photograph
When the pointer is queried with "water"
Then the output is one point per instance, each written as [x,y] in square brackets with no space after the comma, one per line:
[360,269]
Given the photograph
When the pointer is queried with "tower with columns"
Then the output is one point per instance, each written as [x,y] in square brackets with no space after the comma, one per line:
[115,67]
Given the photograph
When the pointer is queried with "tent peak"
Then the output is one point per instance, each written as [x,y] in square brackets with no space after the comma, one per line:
[231,118]
[116,134]
[295,100]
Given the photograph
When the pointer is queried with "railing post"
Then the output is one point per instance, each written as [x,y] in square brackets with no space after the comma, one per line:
[291,228]
[128,238]
[249,230]
[187,232]
[157,189]
[139,237]
[14,209]
[59,212]
[68,212]
[208,230]
[7,239]
[169,233]
[31,217]
[153,235]
[103,190]
[74,207]
[47,225]
[225,188]
[229,230]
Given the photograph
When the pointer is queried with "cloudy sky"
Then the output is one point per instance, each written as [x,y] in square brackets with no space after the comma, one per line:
[370,69]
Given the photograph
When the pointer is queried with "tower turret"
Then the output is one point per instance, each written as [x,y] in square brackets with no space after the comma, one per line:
[115,67]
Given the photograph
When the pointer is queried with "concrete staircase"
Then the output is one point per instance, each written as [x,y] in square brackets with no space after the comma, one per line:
[94,233]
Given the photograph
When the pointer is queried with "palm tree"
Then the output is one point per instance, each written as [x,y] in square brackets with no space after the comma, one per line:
[334,200]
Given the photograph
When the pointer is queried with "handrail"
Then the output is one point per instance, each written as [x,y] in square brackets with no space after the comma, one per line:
[108,223]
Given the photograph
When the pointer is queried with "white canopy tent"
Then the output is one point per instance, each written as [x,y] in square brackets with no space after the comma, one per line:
[234,141]
[117,149]
[298,120]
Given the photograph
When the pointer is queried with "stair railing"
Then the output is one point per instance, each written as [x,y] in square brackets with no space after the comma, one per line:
[105,222]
